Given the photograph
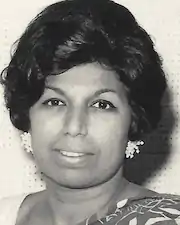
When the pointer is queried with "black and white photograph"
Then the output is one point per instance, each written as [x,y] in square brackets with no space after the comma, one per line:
[90,112]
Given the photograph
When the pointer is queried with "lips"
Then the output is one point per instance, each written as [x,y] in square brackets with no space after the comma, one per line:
[72,158]
[72,154]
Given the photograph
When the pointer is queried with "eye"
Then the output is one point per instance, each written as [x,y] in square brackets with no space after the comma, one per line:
[54,102]
[103,104]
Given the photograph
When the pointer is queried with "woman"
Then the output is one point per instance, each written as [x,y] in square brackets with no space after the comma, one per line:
[85,83]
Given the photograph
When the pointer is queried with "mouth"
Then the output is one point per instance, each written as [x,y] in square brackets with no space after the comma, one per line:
[72,154]
[74,159]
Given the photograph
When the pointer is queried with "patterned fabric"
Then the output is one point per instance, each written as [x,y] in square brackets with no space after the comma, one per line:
[155,210]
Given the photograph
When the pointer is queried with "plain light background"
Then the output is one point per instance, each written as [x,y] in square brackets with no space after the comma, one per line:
[162,21]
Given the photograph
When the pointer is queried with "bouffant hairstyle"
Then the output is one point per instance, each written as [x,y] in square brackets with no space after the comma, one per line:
[74,32]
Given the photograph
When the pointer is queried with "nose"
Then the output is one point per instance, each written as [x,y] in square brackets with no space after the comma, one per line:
[75,123]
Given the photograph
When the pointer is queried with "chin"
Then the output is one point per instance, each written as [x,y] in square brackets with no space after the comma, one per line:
[80,181]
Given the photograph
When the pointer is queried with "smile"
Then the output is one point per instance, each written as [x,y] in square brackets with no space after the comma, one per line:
[72,154]
[72,159]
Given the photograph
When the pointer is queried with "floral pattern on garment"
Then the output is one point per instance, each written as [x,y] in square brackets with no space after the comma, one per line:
[155,210]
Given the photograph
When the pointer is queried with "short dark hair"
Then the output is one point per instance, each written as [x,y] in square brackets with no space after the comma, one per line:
[75,32]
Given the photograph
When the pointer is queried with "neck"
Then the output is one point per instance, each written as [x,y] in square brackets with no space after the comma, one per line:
[78,204]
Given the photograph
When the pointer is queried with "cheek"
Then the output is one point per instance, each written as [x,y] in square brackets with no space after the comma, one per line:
[110,127]
[45,128]
[110,134]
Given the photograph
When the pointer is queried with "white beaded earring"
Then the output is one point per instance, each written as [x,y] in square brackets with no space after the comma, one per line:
[26,142]
[132,148]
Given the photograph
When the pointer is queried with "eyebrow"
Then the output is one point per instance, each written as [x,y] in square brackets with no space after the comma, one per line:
[57,90]
[98,92]
[104,90]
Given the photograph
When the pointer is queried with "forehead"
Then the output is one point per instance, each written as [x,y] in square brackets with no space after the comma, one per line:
[87,77]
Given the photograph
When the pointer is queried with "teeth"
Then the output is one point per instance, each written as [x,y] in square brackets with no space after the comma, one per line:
[72,154]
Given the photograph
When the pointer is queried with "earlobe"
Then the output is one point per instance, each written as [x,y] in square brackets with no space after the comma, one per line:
[132,148]
[26,142]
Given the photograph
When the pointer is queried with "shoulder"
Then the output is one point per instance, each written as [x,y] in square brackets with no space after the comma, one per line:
[14,208]
[30,202]
[157,208]
[9,207]
[153,209]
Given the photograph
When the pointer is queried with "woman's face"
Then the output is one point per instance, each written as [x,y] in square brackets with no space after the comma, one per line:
[79,126]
